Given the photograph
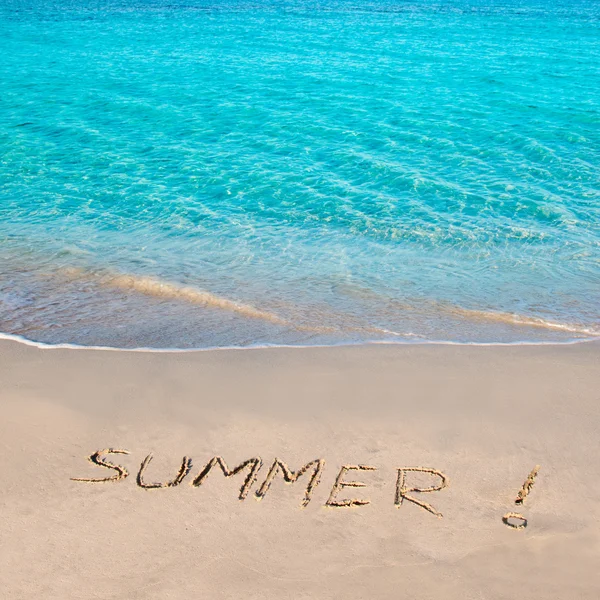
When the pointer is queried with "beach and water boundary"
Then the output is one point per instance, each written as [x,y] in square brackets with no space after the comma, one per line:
[106,308]
[299,300]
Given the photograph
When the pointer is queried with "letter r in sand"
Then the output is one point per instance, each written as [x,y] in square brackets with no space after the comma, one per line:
[402,490]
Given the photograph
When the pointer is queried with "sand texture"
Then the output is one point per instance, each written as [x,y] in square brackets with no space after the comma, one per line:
[371,472]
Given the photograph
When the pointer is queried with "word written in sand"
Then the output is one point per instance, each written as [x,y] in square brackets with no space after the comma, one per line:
[517,520]
[313,470]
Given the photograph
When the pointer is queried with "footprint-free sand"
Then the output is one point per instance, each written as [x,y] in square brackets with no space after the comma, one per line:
[473,421]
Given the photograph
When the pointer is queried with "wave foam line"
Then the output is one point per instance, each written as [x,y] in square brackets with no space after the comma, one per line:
[9,337]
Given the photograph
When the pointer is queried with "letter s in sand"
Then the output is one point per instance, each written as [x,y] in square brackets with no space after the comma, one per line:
[97,459]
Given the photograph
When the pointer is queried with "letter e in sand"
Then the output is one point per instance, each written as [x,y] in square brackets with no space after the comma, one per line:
[340,483]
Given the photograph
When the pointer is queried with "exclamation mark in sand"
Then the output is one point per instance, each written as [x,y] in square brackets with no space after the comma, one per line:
[510,518]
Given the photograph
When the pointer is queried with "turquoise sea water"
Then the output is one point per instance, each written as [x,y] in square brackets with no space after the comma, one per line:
[188,173]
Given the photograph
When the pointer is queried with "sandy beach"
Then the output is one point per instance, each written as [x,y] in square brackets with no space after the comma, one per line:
[475,419]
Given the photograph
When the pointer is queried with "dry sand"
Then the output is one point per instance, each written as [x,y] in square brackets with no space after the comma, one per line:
[482,416]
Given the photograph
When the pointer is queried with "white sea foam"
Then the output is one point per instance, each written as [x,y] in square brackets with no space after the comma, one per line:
[65,346]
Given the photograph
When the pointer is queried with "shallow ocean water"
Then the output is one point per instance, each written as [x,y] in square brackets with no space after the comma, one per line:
[197,174]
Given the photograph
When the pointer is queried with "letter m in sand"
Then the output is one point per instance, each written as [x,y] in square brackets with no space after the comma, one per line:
[253,464]
[290,476]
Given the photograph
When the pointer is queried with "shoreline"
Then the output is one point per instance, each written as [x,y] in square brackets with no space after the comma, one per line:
[110,308]
[406,342]
[455,428]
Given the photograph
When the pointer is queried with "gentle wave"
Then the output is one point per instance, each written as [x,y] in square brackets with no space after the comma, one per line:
[522,320]
[152,286]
